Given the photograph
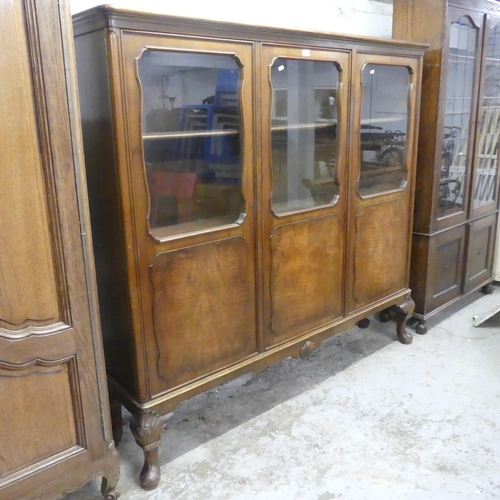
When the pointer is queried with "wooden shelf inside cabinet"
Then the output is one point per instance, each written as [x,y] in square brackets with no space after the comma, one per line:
[227,222]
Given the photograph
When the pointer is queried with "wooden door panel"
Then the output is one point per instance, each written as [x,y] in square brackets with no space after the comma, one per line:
[52,395]
[382,177]
[306,276]
[204,311]
[196,283]
[303,231]
[446,255]
[477,261]
[28,294]
[380,251]
[54,430]
[481,238]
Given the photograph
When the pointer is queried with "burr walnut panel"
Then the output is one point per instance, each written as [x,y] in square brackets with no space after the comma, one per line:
[205,290]
[307,263]
[381,240]
[27,293]
[23,441]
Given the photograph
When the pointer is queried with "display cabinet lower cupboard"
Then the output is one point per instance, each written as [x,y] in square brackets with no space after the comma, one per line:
[55,428]
[251,195]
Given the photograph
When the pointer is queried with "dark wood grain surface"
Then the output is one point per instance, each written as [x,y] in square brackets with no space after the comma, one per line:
[53,399]
[442,261]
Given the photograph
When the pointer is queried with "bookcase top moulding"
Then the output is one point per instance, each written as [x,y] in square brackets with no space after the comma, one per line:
[110,16]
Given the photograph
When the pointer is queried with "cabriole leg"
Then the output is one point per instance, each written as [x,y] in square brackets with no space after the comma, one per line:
[147,426]
[110,475]
[116,421]
[403,313]
[108,487]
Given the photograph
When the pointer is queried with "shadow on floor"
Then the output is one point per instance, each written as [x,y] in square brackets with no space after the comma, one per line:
[216,411]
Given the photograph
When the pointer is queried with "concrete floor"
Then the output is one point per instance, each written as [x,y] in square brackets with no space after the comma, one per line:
[364,418]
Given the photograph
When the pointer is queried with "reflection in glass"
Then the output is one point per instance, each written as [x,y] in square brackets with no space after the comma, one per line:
[489,128]
[384,124]
[304,134]
[461,63]
[191,135]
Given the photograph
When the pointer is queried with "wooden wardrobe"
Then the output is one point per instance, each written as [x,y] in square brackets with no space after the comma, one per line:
[54,415]
[251,192]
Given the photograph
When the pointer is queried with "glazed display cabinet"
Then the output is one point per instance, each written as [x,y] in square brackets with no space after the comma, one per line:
[456,201]
[55,428]
[247,185]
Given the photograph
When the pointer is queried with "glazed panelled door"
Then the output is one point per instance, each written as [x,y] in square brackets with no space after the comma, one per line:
[485,172]
[304,189]
[381,179]
[190,124]
[457,156]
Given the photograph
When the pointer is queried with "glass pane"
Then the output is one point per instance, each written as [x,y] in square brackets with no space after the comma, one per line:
[489,127]
[458,106]
[384,125]
[191,134]
[304,134]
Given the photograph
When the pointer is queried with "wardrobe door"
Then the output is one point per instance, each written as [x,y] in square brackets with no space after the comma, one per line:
[187,189]
[381,180]
[303,197]
[54,416]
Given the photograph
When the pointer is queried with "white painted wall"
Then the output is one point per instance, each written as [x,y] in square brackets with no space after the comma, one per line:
[357,17]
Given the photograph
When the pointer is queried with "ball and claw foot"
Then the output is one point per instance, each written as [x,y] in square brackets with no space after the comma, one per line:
[421,328]
[487,289]
[403,313]
[363,323]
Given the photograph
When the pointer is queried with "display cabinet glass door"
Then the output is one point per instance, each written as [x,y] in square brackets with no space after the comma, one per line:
[461,65]
[382,168]
[191,176]
[485,182]
[304,129]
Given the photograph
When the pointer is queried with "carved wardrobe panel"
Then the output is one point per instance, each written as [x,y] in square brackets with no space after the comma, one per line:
[54,412]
